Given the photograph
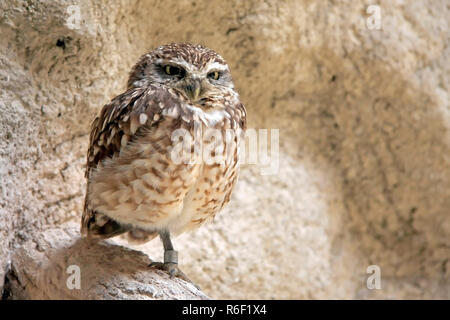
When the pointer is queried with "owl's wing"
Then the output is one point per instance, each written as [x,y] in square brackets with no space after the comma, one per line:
[112,130]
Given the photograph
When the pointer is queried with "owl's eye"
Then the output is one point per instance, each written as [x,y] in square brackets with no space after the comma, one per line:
[215,75]
[173,71]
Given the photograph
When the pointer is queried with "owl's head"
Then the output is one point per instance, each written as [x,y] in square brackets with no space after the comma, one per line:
[193,70]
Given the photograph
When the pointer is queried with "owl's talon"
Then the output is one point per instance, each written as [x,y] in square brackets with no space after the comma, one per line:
[173,271]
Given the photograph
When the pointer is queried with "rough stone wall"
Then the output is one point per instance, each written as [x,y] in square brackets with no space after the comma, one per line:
[364,121]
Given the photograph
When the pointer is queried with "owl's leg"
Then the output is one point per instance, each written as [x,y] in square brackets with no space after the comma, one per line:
[170,263]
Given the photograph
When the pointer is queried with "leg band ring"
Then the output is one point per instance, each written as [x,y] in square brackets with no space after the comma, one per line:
[171,256]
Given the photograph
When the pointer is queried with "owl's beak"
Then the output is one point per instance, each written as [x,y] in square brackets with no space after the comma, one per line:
[193,89]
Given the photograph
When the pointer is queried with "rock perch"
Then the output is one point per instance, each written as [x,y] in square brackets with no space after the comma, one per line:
[58,264]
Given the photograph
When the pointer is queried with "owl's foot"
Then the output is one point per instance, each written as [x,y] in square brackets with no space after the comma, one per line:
[173,271]
[170,265]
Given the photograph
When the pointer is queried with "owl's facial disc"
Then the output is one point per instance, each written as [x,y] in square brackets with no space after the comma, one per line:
[200,87]
[197,84]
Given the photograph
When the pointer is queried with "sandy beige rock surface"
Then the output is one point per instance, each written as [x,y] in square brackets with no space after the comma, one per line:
[364,121]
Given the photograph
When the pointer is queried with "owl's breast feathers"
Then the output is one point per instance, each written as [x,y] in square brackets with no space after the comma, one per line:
[134,181]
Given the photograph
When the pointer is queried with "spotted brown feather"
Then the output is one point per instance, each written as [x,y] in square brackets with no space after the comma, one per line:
[117,124]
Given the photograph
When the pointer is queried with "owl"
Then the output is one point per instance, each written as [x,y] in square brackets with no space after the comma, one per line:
[145,174]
